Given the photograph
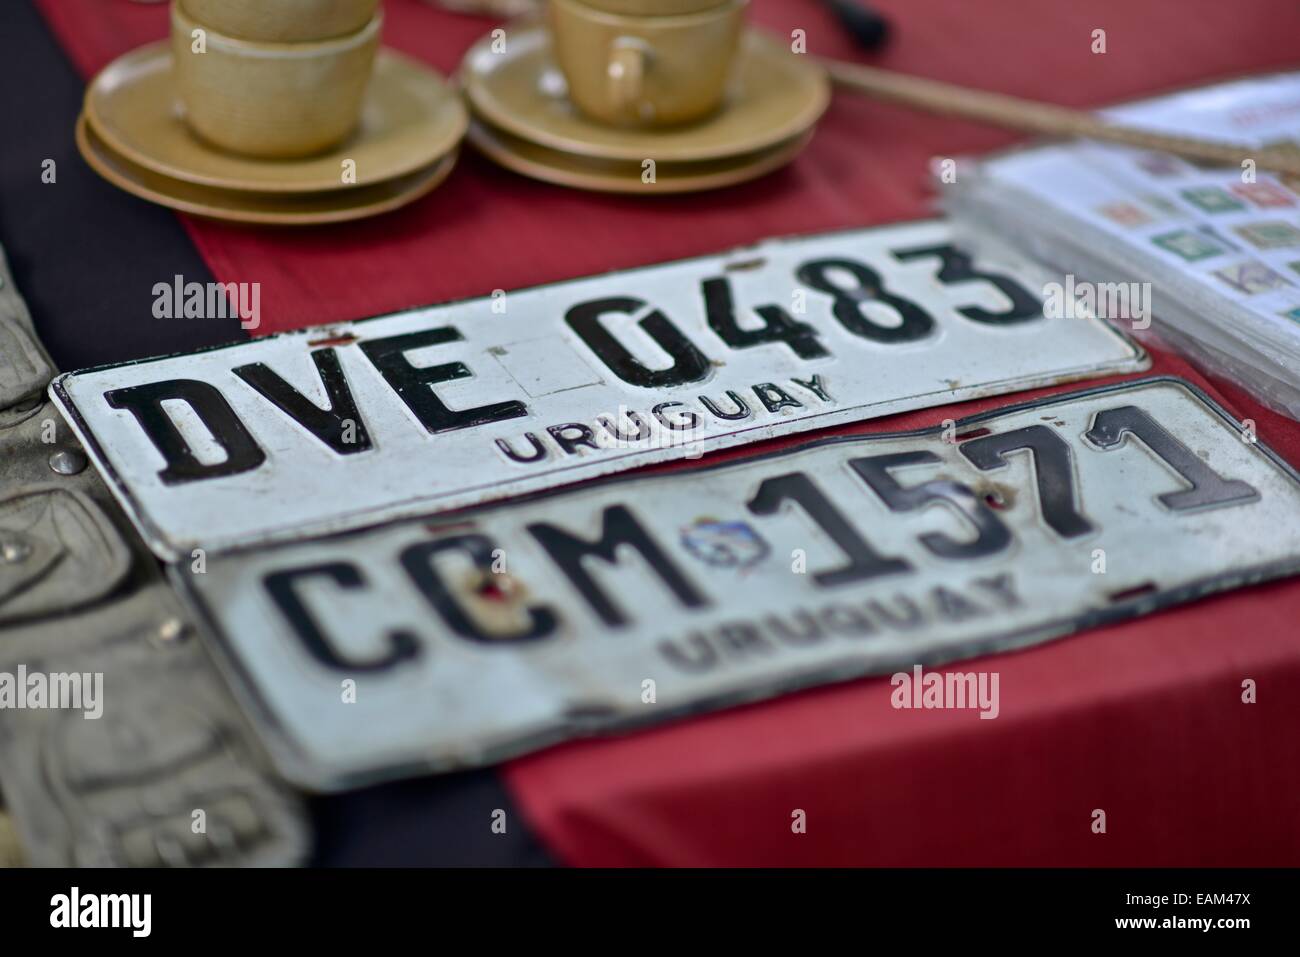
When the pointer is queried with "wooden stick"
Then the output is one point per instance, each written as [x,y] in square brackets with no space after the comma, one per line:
[1000,110]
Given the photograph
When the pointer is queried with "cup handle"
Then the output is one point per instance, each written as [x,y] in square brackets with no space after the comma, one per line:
[628,59]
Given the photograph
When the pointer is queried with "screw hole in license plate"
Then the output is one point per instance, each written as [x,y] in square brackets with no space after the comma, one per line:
[344,339]
[1146,588]
[589,713]
[746,265]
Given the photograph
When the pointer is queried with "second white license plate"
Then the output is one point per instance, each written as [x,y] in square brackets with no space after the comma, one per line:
[450,642]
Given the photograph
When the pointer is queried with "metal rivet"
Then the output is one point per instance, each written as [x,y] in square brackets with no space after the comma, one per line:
[171,630]
[13,552]
[67,461]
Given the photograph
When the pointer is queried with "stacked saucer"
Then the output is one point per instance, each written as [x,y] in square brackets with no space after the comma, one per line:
[134,132]
[525,119]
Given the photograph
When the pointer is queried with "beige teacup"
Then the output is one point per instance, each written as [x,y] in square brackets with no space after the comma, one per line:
[646,69]
[281,21]
[271,99]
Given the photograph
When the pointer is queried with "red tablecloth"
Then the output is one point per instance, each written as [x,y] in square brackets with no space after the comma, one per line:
[1144,720]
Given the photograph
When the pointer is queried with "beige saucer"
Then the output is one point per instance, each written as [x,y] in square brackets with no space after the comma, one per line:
[411,118]
[625,176]
[279,209]
[776,97]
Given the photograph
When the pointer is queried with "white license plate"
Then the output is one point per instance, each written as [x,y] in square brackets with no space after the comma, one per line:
[432,644]
[449,406]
